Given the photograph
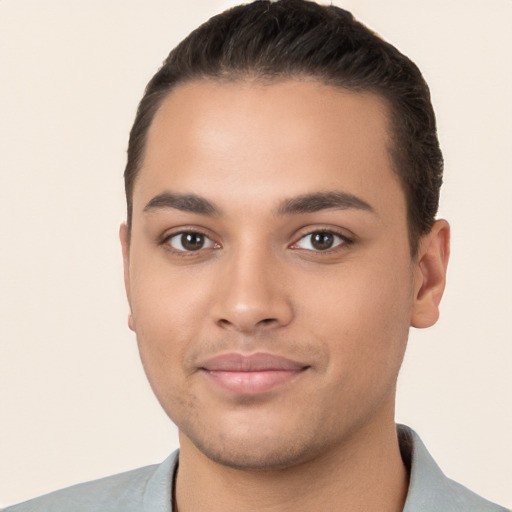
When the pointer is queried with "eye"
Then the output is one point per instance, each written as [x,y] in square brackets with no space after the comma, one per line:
[190,241]
[320,241]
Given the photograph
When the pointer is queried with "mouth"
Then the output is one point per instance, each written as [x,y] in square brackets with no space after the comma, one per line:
[251,374]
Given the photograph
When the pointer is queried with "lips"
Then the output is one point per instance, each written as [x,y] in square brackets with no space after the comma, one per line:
[251,374]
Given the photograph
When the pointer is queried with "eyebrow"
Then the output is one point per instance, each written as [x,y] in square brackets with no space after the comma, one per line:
[184,202]
[311,203]
[307,203]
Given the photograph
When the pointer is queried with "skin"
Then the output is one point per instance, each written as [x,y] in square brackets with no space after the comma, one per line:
[324,439]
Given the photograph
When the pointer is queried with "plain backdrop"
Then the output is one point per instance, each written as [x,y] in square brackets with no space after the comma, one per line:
[74,402]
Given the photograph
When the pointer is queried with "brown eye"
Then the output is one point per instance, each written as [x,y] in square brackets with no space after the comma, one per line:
[190,241]
[320,241]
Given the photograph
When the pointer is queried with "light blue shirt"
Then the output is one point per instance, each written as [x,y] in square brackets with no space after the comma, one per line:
[148,489]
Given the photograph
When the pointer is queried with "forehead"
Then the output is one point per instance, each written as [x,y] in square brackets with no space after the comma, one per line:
[298,135]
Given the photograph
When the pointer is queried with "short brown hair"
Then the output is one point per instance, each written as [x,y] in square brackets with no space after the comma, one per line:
[273,40]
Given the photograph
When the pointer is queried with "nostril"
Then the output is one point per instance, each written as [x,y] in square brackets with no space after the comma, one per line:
[224,323]
[265,322]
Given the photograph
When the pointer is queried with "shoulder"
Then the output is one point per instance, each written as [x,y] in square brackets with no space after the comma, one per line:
[125,492]
[467,500]
[429,489]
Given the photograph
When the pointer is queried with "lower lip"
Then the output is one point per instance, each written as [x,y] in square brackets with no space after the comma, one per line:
[252,383]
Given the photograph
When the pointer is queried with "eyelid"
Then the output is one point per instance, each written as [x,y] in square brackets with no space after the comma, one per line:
[176,232]
[346,240]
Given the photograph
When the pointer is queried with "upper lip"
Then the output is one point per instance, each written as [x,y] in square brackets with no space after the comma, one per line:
[258,362]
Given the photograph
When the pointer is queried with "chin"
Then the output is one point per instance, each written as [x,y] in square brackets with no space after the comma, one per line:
[256,450]
[260,458]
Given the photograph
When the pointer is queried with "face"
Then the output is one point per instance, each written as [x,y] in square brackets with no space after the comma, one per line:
[268,269]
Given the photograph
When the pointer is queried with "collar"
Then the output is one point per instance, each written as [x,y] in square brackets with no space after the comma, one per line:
[429,489]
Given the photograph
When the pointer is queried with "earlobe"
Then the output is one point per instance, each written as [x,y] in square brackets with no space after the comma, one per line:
[430,274]
[124,237]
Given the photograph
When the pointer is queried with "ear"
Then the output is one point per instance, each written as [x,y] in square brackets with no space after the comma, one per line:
[430,274]
[124,237]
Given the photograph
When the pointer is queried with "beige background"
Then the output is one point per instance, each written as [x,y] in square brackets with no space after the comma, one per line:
[74,401]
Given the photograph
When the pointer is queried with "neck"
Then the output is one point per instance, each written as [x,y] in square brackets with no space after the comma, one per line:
[365,474]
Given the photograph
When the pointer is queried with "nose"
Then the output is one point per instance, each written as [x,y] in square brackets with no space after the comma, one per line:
[251,294]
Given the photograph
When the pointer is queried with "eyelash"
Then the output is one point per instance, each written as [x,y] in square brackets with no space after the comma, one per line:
[343,242]
[187,253]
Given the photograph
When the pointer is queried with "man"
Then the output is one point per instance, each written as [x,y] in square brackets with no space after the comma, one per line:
[282,184]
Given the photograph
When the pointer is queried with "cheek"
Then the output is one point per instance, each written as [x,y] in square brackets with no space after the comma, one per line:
[166,300]
[165,323]
[362,315]
[167,309]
